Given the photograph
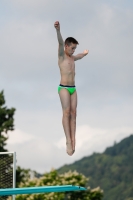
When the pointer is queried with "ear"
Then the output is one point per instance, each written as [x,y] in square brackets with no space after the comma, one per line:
[66,46]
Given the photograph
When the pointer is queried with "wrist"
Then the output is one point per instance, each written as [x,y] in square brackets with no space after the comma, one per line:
[58,30]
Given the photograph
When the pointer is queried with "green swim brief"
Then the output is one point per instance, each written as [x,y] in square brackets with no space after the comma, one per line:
[70,89]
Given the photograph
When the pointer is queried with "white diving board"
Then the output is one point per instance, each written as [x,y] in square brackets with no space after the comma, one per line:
[32,190]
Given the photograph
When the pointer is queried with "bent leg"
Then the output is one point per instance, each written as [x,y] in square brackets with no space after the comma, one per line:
[73,109]
[65,102]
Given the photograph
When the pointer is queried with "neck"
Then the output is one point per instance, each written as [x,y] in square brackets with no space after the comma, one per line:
[67,54]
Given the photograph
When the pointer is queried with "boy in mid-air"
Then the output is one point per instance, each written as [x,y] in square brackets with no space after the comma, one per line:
[67,89]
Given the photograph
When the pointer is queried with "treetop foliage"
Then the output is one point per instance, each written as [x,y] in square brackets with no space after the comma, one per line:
[6,116]
[6,121]
[53,178]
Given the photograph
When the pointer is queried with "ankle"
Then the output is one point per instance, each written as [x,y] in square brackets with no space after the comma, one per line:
[68,141]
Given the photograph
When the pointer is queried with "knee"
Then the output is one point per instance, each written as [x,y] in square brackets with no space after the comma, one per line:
[73,113]
[66,112]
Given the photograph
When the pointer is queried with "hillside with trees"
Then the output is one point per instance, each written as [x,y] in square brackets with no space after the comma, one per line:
[112,170]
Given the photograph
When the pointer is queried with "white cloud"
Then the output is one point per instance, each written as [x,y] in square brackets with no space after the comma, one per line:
[38,154]
[41,155]
[19,137]
[89,139]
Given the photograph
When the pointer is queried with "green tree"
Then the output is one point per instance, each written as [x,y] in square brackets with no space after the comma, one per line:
[6,122]
[53,178]
[23,175]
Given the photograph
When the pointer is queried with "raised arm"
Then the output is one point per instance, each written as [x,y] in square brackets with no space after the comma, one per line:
[60,40]
[81,55]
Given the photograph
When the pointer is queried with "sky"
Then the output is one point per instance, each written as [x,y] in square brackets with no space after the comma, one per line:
[29,76]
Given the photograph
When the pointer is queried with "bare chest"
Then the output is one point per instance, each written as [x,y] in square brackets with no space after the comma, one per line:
[68,65]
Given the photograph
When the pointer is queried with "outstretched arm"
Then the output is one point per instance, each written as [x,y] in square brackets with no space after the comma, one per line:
[60,40]
[81,55]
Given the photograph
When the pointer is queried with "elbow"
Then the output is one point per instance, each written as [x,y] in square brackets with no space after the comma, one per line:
[61,43]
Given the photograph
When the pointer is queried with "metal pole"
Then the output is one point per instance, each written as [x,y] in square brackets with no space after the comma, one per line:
[14,172]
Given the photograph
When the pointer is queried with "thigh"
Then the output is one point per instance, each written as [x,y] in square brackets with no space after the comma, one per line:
[74,101]
[65,99]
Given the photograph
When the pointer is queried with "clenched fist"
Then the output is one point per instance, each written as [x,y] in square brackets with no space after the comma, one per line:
[57,25]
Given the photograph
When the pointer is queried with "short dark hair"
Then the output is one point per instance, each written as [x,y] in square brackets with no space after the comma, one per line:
[70,40]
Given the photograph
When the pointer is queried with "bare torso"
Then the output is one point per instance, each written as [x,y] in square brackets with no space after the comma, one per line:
[67,70]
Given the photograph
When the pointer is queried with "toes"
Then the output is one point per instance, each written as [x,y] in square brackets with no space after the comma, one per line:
[70,153]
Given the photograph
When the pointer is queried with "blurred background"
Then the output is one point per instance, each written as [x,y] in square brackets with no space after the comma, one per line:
[29,76]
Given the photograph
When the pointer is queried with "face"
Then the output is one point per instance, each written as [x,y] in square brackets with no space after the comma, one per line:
[70,49]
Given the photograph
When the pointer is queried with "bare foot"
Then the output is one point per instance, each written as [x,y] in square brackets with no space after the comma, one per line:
[69,148]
